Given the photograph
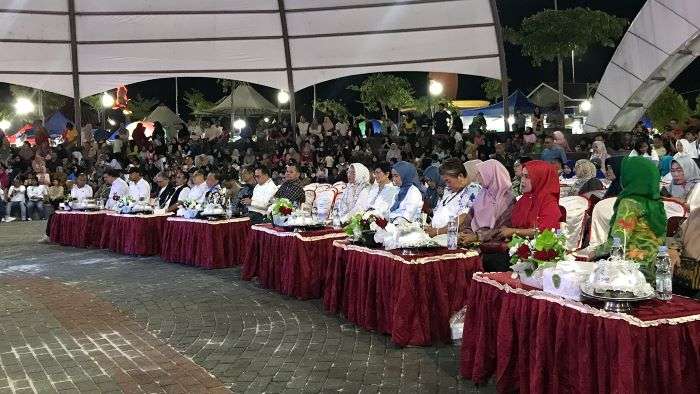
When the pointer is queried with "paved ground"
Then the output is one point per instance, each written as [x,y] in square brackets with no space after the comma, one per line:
[94,321]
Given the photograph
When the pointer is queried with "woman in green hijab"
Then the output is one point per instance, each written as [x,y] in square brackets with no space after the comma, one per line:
[639,218]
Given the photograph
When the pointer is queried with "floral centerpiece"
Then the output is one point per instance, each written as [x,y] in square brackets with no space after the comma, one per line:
[529,257]
[124,204]
[364,225]
[281,211]
[191,208]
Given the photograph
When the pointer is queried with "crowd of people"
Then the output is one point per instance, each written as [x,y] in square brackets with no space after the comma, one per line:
[415,167]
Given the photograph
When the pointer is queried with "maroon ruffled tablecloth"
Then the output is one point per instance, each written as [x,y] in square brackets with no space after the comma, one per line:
[132,234]
[534,342]
[292,263]
[409,297]
[203,243]
[76,228]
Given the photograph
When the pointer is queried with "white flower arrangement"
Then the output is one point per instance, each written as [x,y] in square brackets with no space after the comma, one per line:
[124,204]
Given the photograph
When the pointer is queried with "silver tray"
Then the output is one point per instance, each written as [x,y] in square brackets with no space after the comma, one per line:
[617,304]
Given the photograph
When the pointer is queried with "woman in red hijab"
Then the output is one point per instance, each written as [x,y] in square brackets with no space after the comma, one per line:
[538,208]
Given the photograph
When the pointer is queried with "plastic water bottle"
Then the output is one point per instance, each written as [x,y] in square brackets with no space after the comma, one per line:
[229,210]
[664,284]
[452,234]
[337,223]
[616,250]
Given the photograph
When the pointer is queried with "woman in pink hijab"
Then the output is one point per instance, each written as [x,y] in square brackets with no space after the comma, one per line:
[491,209]
[560,140]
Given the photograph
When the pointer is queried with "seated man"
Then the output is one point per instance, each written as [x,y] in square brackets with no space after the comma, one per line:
[199,187]
[181,191]
[81,190]
[139,189]
[118,187]
[16,197]
[262,195]
[165,190]
[36,194]
[291,188]
[213,185]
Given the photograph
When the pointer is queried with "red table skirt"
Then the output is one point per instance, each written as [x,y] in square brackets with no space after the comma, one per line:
[202,244]
[413,302]
[290,263]
[78,229]
[548,345]
[132,234]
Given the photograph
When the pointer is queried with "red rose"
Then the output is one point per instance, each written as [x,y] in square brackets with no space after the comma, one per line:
[285,211]
[544,255]
[381,223]
[523,251]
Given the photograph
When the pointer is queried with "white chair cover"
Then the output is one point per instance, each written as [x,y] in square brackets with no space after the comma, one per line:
[325,198]
[576,207]
[600,222]
[310,194]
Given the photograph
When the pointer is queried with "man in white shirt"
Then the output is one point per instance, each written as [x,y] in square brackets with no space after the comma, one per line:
[17,197]
[118,187]
[35,196]
[303,126]
[139,189]
[199,187]
[81,190]
[262,195]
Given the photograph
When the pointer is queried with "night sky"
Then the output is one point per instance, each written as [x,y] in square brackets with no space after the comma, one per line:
[523,76]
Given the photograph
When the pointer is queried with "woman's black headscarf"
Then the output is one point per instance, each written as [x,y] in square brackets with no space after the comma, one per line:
[615,163]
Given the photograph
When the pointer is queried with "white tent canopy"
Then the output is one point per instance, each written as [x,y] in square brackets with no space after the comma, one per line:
[166,117]
[246,101]
[661,42]
[277,43]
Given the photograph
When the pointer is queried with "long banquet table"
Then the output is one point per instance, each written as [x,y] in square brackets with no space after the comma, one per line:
[532,341]
[409,297]
[81,229]
[291,263]
[133,234]
[205,243]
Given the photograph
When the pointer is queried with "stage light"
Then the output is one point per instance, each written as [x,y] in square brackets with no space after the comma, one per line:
[585,106]
[267,120]
[5,124]
[239,124]
[435,88]
[282,97]
[23,106]
[107,100]
[111,122]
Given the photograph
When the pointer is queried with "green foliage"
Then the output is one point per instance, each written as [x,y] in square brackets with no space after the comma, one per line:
[492,89]
[141,107]
[669,105]
[551,33]
[332,108]
[424,104]
[384,92]
[196,101]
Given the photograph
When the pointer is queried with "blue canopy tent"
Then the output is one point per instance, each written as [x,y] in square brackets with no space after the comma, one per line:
[56,123]
[516,102]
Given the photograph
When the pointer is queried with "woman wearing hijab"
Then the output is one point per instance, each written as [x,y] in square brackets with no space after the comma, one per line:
[354,197]
[393,153]
[665,165]
[455,202]
[538,208]
[685,148]
[613,171]
[685,175]
[408,202]
[599,151]
[493,206]
[473,186]
[560,140]
[639,218]
[586,180]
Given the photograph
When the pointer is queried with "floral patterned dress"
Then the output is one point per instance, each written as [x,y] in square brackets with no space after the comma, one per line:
[642,243]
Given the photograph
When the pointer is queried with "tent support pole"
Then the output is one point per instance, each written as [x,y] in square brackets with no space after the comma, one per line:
[502,62]
[288,60]
[74,69]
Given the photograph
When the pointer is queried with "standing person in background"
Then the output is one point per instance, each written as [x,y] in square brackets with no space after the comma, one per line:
[440,120]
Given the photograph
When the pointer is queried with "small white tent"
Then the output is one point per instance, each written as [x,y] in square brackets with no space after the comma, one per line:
[166,117]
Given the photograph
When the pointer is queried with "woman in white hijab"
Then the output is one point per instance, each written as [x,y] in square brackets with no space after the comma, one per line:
[685,148]
[355,196]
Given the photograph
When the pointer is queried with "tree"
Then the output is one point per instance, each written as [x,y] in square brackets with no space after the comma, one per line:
[492,89]
[332,108]
[426,104]
[95,102]
[196,101]
[141,107]
[384,92]
[669,105]
[552,34]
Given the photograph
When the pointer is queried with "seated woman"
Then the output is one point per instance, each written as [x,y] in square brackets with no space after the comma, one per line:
[456,200]
[684,250]
[473,186]
[613,172]
[381,194]
[354,198]
[642,149]
[408,202]
[685,175]
[685,148]
[639,216]
[536,210]
[586,181]
[493,206]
